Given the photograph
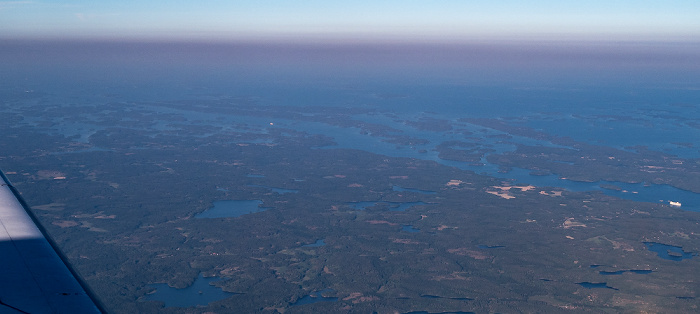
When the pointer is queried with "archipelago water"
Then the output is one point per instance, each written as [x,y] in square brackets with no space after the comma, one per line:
[604,99]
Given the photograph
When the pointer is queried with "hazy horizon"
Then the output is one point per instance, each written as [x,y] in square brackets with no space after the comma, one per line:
[401,21]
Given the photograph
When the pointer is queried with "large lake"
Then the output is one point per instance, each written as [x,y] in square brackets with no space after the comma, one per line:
[201,292]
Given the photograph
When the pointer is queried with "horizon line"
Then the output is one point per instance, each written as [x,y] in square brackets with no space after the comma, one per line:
[362,38]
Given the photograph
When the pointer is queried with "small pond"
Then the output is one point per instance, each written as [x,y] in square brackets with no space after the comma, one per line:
[595,285]
[409,228]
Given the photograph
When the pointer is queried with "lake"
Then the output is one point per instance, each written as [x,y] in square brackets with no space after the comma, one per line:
[200,293]
[669,252]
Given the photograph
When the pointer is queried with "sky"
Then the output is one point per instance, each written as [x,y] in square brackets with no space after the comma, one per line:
[397,19]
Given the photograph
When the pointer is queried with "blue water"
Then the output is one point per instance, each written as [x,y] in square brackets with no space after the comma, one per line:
[233,208]
[200,293]
[669,252]
[641,271]
[591,285]
[409,228]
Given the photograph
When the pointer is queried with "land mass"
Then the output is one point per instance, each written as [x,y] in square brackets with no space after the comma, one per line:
[121,200]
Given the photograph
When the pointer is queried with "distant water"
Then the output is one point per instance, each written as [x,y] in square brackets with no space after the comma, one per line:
[652,104]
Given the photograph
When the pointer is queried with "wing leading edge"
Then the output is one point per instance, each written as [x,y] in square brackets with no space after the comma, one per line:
[34,276]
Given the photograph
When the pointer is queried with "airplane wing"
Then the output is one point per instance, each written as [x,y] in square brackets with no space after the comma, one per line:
[34,276]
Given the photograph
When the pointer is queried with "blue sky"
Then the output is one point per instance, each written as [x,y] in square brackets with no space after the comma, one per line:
[409,19]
